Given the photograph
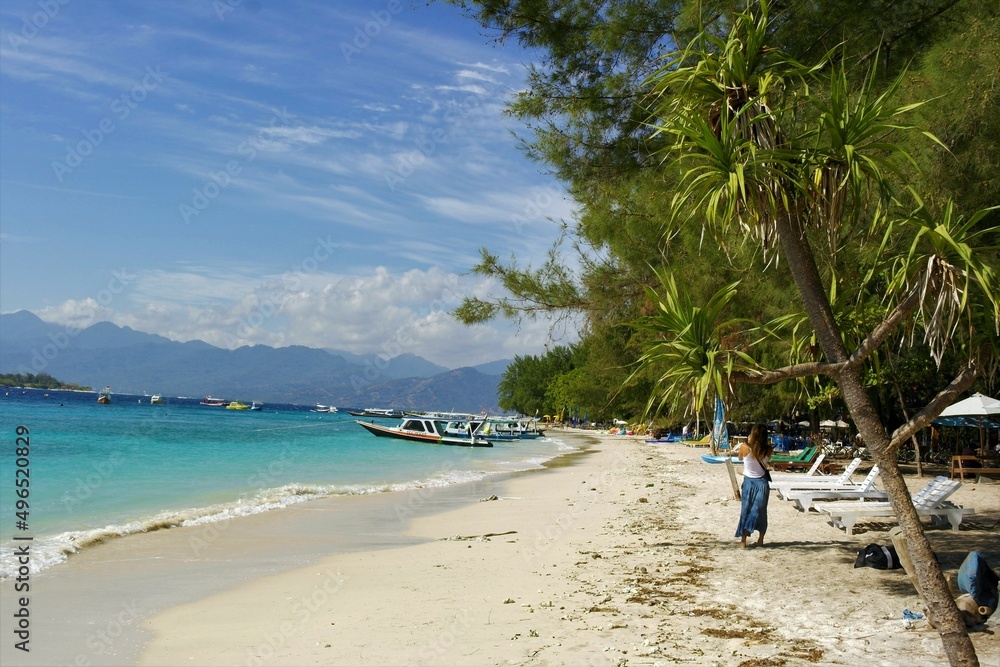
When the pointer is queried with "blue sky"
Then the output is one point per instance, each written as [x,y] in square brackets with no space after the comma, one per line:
[265,172]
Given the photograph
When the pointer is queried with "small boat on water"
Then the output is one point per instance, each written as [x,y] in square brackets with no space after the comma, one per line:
[214,402]
[381,413]
[257,406]
[105,396]
[425,429]
[499,429]
[323,408]
[155,399]
[236,405]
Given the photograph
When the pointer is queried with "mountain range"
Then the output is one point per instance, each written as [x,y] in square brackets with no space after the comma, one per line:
[134,362]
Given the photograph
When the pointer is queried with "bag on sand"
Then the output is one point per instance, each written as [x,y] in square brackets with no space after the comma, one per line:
[977,579]
[879,557]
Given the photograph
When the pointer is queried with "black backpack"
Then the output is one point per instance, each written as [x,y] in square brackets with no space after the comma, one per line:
[879,557]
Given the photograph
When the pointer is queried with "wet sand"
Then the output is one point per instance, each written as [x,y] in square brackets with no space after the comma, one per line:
[90,609]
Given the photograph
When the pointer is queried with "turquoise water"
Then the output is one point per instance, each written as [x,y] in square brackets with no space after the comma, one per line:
[105,471]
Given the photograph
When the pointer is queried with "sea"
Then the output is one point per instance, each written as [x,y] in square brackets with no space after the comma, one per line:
[75,473]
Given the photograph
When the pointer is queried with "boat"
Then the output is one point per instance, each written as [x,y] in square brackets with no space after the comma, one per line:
[257,406]
[498,429]
[213,402]
[323,408]
[529,428]
[424,429]
[382,413]
[236,405]
[105,396]
[156,399]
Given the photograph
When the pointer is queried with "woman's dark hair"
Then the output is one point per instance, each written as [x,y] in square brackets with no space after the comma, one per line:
[758,442]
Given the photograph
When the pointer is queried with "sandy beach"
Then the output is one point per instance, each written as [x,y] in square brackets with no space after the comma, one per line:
[621,555]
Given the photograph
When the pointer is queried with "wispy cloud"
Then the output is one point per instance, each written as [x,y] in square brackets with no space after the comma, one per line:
[272,138]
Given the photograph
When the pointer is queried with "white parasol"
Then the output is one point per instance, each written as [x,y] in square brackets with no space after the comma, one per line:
[978,406]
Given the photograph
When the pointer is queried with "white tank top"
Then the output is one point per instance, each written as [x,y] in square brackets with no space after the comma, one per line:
[752,467]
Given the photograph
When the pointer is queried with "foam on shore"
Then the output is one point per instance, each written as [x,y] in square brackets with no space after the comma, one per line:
[51,550]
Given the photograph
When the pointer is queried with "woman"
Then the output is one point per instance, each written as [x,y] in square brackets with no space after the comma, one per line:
[755,454]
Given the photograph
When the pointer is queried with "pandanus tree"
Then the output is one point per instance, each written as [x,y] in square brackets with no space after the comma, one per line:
[795,161]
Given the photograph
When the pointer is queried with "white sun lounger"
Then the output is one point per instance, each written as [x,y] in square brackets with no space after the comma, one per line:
[931,502]
[811,473]
[803,498]
[783,486]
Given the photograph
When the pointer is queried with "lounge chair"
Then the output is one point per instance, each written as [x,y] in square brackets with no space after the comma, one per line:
[931,501]
[802,482]
[704,442]
[805,456]
[804,498]
[788,468]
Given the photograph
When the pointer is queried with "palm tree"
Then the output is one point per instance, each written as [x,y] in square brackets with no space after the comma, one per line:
[791,157]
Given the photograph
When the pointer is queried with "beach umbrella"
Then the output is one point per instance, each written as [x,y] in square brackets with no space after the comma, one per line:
[720,434]
[979,407]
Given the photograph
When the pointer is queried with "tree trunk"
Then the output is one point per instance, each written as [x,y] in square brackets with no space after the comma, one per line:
[933,586]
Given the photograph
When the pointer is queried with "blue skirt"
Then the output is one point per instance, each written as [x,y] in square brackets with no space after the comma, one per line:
[753,513]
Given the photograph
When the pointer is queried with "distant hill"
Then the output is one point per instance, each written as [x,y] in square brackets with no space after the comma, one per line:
[403,366]
[460,390]
[494,367]
[136,362]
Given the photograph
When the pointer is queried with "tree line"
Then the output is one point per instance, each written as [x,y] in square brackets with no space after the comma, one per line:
[37,381]
[792,206]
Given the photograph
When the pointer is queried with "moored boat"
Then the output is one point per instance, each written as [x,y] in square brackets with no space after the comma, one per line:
[155,399]
[213,402]
[425,429]
[236,405]
[323,408]
[381,413]
[257,406]
[105,396]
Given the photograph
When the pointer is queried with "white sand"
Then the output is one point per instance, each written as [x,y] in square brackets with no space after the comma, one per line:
[627,557]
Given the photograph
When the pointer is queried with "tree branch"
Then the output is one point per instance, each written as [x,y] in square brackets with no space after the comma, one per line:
[886,327]
[786,373]
[944,398]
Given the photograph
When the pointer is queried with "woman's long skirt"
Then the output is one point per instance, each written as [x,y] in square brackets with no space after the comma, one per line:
[753,513]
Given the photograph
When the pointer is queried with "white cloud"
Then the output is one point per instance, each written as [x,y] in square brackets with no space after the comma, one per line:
[381,312]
